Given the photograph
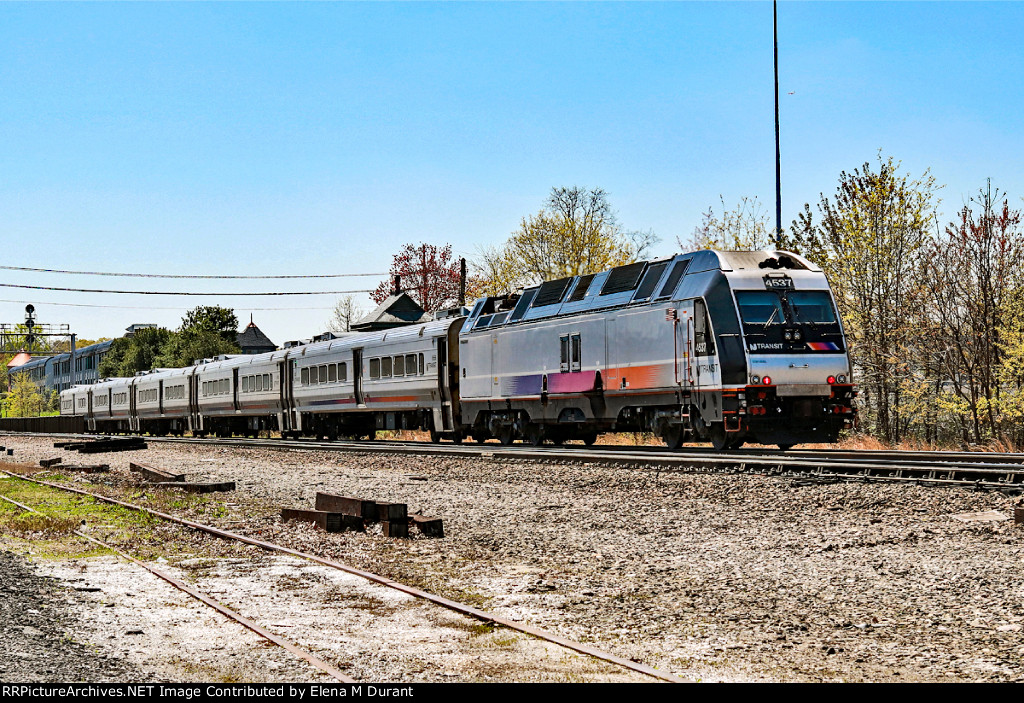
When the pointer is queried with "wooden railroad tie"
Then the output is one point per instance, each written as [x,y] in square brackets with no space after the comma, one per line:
[155,475]
[190,487]
[394,517]
[86,468]
[47,463]
[327,521]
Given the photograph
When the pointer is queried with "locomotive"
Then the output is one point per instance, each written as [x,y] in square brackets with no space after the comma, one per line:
[714,346]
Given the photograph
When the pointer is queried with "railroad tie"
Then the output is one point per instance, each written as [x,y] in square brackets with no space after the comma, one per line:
[193,487]
[327,521]
[155,475]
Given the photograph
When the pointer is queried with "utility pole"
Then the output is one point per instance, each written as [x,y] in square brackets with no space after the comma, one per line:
[778,167]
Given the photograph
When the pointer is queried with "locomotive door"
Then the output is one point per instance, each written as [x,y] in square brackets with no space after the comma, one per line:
[357,376]
[703,362]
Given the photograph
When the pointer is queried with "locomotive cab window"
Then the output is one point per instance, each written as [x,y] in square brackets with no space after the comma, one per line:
[304,376]
[811,306]
[703,339]
[575,353]
[760,307]
[374,368]
[342,371]
[385,367]
[563,356]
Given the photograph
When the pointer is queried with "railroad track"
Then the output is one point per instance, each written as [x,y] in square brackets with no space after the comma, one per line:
[484,616]
[1004,471]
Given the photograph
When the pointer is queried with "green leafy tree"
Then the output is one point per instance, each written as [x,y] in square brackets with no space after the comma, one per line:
[575,233]
[871,242]
[205,332]
[211,318]
[24,399]
[138,352]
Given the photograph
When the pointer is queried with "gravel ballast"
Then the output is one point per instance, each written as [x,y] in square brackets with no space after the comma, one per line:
[711,577]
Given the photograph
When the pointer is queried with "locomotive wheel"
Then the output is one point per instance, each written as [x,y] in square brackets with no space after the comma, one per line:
[785,447]
[457,438]
[507,435]
[719,439]
[590,438]
[674,436]
[435,437]
[535,434]
[480,438]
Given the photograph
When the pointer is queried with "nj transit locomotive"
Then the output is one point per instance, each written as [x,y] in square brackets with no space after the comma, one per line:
[726,347]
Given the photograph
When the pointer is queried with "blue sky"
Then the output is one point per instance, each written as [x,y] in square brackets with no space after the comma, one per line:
[302,138]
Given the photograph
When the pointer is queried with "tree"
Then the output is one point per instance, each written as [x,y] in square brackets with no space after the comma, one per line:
[205,332]
[139,352]
[428,274]
[575,233]
[346,311]
[975,281]
[211,318]
[871,243]
[747,227]
[24,400]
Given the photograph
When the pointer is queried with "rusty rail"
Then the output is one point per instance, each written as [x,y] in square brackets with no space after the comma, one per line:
[208,600]
[384,581]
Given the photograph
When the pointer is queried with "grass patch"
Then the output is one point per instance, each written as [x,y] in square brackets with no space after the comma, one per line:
[50,534]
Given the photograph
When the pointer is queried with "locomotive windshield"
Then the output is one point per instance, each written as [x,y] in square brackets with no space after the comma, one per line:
[789,321]
[760,307]
[811,306]
[781,308]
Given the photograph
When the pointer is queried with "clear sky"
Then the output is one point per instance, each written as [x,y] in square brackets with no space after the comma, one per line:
[317,138]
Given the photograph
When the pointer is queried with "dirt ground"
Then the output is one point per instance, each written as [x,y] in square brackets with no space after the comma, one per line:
[709,577]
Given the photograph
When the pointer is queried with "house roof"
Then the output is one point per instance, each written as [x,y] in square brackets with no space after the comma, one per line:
[394,311]
[19,359]
[253,338]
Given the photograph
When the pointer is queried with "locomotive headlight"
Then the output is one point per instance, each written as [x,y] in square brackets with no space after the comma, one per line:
[788,335]
[796,334]
[842,378]
[755,379]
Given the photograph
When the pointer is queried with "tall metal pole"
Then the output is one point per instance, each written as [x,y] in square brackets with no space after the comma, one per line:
[778,167]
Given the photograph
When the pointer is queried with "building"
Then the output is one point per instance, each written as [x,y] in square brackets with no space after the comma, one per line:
[396,311]
[54,373]
[252,341]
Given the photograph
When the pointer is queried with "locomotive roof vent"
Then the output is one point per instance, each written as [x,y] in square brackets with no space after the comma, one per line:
[761,260]
[782,261]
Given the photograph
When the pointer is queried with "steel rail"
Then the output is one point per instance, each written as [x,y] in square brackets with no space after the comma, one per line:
[411,446]
[384,581]
[1006,474]
[204,598]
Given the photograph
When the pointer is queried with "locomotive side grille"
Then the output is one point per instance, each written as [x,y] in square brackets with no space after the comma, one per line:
[581,288]
[523,305]
[623,278]
[673,278]
[551,292]
[651,279]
